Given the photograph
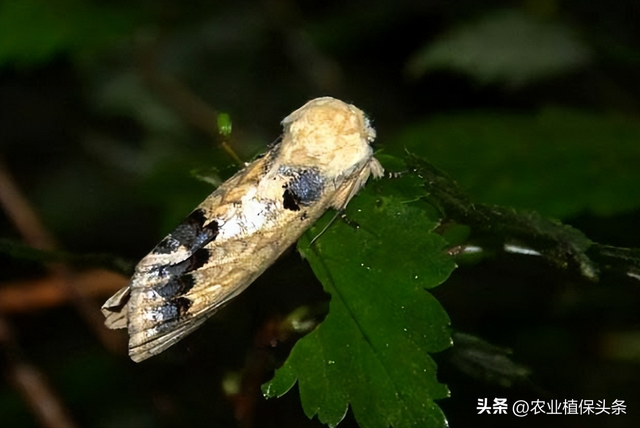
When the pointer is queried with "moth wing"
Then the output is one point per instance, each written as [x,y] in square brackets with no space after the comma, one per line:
[156,340]
[115,317]
[171,309]
[179,284]
[159,323]
[357,180]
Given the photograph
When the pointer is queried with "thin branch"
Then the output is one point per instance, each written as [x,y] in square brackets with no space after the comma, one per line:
[32,383]
[182,100]
[36,294]
[25,219]
[246,399]
[21,215]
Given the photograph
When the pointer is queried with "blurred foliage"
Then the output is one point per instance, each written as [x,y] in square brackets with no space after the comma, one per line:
[108,110]
[559,162]
[510,46]
[33,32]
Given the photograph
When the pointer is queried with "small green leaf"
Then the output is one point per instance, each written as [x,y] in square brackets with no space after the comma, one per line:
[372,350]
[224,124]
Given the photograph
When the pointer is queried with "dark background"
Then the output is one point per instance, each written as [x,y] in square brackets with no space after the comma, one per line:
[108,122]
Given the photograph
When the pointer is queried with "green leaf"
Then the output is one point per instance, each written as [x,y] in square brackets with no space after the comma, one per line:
[486,362]
[560,162]
[505,46]
[224,124]
[372,350]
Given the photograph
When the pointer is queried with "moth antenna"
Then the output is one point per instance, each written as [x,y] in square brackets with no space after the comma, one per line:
[324,229]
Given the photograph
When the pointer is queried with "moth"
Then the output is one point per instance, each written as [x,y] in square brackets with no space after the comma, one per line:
[322,160]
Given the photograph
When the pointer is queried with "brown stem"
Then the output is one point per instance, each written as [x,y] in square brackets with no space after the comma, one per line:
[32,383]
[25,219]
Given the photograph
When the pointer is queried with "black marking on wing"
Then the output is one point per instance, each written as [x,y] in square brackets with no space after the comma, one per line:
[306,185]
[191,234]
[182,305]
[177,286]
[289,201]
[177,269]
[172,312]
[169,332]
[200,258]
[178,281]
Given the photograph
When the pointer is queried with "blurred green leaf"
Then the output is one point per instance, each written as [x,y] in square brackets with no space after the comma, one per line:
[372,350]
[506,46]
[560,162]
[63,26]
[486,362]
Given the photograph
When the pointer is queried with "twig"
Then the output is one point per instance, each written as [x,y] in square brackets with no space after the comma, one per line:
[35,234]
[31,383]
[188,105]
[34,294]
[245,400]
[20,213]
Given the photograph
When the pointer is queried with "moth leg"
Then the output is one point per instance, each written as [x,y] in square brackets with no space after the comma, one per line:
[351,223]
[324,229]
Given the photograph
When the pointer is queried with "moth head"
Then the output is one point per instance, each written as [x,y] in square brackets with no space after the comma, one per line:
[329,134]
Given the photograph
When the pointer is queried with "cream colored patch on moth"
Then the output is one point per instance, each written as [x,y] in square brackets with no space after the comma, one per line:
[323,160]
